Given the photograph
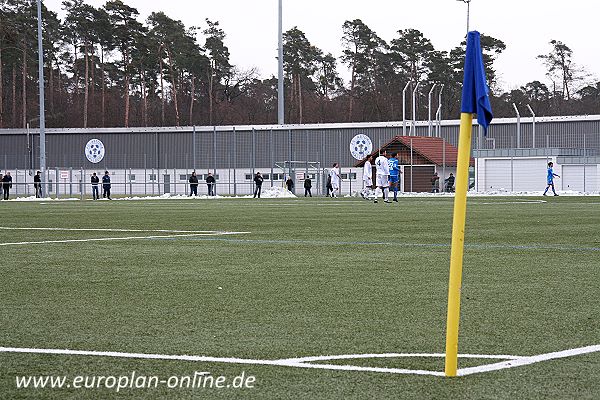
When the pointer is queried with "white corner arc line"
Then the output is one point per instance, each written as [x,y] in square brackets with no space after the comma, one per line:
[528,360]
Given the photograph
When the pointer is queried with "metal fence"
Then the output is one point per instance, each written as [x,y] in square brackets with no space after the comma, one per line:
[158,161]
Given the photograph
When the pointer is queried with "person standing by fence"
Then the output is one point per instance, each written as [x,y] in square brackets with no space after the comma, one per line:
[258,181]
[37,184]
[289,183]
[210,182]
[307,187]
[6,184]
[95,180]
[435,183]
[450,183]
[193,184]
[106,185]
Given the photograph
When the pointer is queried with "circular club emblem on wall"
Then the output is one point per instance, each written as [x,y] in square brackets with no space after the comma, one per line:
[94,151]
[361,146]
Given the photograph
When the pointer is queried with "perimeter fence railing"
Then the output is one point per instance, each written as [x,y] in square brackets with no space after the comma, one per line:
[160,162]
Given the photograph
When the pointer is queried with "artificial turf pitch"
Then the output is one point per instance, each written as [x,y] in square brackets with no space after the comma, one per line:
[312,277]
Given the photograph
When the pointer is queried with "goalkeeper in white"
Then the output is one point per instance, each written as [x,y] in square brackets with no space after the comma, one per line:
[383,176]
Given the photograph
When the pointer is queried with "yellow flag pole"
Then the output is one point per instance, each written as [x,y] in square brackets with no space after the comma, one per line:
[458,241]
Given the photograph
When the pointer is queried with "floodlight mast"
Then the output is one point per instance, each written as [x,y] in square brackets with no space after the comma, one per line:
[468,11]
[41,87]
[280,94]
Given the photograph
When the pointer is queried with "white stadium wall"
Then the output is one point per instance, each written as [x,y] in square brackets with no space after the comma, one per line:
[528,174]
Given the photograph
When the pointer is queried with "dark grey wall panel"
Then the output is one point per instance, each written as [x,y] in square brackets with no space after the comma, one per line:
[211,148]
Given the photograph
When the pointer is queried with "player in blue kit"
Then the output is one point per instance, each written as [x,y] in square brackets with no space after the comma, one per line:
[394,174]
[550,179]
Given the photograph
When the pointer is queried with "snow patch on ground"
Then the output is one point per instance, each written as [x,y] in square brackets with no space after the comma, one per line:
[33,198]
[274,192]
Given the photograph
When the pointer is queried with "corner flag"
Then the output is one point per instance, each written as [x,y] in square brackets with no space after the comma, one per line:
[475,100]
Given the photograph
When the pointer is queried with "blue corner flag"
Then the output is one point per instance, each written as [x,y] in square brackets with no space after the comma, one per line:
[475,99]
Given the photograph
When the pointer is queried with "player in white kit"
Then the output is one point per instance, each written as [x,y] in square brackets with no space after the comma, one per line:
[335,180]
[367,179]
[383,175]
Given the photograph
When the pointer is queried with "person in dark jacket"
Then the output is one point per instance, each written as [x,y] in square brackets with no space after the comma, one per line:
[6,184]
[106,185]
[258,181]
[37,184]
[307,187]
[210,182]
[435,183]
[193,184]
[95,181]
[1,189]
[290,184]
[450,183]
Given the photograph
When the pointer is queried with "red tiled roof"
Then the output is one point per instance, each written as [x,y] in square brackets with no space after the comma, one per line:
[431,148]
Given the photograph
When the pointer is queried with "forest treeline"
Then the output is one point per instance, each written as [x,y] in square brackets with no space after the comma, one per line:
[103,67]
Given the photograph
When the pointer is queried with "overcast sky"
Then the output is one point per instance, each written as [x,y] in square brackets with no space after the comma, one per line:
[525,26]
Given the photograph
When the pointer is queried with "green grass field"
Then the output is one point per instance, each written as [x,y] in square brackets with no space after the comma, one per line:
[310,277]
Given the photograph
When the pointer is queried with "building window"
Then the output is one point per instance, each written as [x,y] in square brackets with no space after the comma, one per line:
[248,177]
[352,176]
[183,177]
[152,177]
[131,177]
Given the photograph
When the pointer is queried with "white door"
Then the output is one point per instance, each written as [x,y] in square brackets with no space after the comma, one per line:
[497,175]
[518,174]
[573,178]
[529,174]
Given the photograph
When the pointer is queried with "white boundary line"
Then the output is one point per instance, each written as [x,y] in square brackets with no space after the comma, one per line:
[528,360]
[214,233]
[103,230]
[495,203]
[304,362]
[398,355]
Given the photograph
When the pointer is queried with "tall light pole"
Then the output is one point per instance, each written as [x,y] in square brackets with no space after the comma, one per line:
[42,111]
[468,11]
[280,94]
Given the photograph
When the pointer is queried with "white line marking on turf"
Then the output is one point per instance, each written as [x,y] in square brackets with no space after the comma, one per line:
[528,360]
[511,202]
[399,355]
[303,362]
[120,238]
[229,360]
[101,230]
